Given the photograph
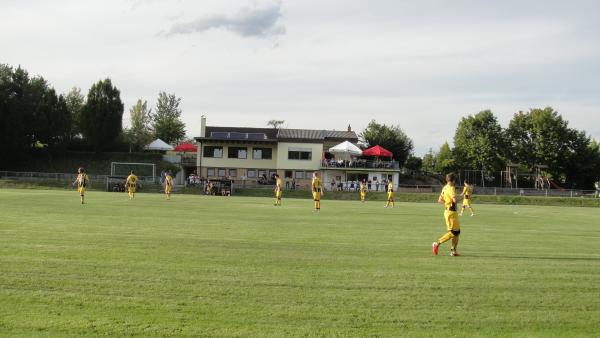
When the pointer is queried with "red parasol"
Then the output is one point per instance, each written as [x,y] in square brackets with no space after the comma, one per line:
[376,151]
[186,147]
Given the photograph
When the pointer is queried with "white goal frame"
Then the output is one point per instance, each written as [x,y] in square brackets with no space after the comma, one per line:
[113,165]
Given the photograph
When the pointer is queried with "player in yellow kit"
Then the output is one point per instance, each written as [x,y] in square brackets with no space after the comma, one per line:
[448,199]
[390,194]
[82,182]
[363,191]
[317,191]
[467,194]
[168,184]
[277,190]
[131,185]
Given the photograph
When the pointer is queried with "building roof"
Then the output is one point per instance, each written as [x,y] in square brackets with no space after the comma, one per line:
[308,135]
[271,134]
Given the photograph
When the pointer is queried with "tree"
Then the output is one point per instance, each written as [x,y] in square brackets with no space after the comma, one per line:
[275,123]
[102,115]
[444,162]
[166,122]
[429,161]
[140,132]
[480,143]
[540,136]
[31,114]
[75,102]
[414,163]
[15,112]
[389,137]
[543,137]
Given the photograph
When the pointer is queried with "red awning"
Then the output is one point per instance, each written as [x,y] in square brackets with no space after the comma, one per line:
[186,147]
[377,151]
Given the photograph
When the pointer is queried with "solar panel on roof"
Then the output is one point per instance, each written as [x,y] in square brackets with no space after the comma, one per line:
[257,136]
[237,136]
[219,135]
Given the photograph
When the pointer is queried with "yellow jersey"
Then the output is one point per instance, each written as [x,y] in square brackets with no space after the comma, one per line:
[390,187]
[316,185]
[82,180]
[278,185]
[363,188]
[467,191]
[448,195]
[168,180]
[132,180]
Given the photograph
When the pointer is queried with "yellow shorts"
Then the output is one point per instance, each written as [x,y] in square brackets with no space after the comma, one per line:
[316,196]
[168,189]
[362,195]
[390,196]
[451,218]
[278,194]
[130,189]
[81,190]
[467,202]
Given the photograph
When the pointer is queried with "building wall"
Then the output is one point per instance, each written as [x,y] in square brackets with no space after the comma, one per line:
[249,162]
[313,164]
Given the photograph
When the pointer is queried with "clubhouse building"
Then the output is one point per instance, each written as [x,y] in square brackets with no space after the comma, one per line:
[253,155]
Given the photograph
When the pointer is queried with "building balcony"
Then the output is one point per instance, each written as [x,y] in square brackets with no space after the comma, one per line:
[359,164]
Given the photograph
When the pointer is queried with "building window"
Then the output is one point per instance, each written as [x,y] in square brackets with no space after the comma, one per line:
[299,154]
[307,174]
[232,172]
[289,174]
[251,173]
[221,172]
[237,152]
[210,151]
[210,172]
[299,174]
[262,153]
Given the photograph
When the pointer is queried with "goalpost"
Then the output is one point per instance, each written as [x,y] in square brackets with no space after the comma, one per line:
[146,171]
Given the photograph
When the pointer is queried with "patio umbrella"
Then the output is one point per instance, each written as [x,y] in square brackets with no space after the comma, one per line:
[377,151]
[158,144]
[186,147]
[346,148]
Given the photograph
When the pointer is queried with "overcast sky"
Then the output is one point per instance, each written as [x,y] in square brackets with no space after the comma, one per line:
[321,64]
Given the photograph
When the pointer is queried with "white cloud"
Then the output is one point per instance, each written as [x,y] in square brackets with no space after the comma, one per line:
[255,21]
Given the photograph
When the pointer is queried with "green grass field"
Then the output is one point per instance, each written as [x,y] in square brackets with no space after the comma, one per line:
[237,266]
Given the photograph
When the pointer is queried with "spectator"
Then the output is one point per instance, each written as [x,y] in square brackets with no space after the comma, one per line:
[369,185]
[376,185]
[332,184]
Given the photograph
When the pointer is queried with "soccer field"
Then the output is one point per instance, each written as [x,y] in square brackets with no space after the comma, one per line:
[235,266]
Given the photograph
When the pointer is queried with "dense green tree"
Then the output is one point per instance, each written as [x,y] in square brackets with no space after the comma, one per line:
[444,161]
[428,163]
[539,137]
[75,101]
[389,137]
[582,165]
[414,163]
[102,115]
[31,114]
[14,115]
[480,143]
[140,133]
[543,137]
[166,121]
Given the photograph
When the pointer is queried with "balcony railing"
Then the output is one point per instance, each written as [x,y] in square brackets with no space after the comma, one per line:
[359,164]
